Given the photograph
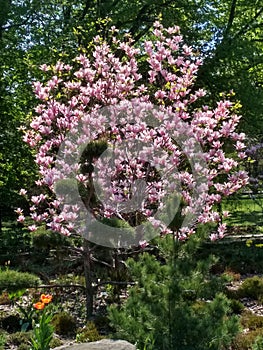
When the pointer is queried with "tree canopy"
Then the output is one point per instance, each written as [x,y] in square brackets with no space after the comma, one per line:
[226,34]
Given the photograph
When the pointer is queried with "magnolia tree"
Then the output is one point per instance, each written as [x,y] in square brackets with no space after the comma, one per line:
[124,148]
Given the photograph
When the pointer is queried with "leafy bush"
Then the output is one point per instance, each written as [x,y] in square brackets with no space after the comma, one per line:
[64,323]
[13,239]
[11,280]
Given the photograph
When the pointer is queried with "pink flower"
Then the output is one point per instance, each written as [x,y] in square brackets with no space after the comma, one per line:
[21,218]
[143,244]
[213,237]
[167,162]
[22,192]
[19,211]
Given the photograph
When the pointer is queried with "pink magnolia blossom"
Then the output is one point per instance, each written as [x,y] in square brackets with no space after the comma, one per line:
[21,218]
[105,79]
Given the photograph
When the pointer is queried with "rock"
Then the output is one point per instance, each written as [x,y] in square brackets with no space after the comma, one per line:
[105,344]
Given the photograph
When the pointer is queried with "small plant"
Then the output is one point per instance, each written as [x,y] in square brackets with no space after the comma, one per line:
[233,276]
[4,299]
[236,306]
[251,321]
[2,340]
[252,288]
[55,342]
[43,330]
[64,323]
[149,343]
[88,334]
[20,338]
[26,311]
[23,347]
[246,341]
[42,333]
[258,345]
[12,281]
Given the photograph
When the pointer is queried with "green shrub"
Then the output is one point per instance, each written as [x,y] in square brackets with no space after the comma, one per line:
[101,322]
[20,338]
[46,239]
[176,301]
[55,342]
[3,339]
[64,323]
[88,334]
[252,288]
[236,306]
[24,347]
[12,281]
[251,320]
[14,240]
[245,341]
[258,344]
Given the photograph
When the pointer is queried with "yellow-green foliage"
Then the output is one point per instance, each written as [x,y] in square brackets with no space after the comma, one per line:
[11,280]
[55,342]
[64,323]
[88,334]
[253,329]
[251,321]
[24,347]
[252,288]
[245,341]
[20,338]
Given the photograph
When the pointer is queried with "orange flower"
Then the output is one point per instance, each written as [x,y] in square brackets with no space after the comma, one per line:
[46,298]
[39,305]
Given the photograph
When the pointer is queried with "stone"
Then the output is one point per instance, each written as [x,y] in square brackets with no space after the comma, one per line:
[105,344]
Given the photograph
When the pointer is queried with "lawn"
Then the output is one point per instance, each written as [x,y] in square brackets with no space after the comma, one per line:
[246,210]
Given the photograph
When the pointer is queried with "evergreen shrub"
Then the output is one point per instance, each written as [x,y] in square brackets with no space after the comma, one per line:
[12,281]
[178,303]
[252,287]
[64,323]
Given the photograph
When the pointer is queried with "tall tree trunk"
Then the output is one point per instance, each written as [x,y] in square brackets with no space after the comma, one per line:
[88,281]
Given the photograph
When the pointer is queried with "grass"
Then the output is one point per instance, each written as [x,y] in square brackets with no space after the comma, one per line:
[244,211]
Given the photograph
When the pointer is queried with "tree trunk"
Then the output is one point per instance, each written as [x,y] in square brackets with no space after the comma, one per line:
[88,282]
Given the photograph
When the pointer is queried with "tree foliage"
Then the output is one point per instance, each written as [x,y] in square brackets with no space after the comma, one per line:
[228,35]
[71,128]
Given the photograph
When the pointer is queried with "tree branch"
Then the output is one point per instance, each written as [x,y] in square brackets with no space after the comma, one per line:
[17,24]
[85,10]
[231,17]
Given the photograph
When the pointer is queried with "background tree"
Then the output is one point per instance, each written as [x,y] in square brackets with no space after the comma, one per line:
[227,34]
